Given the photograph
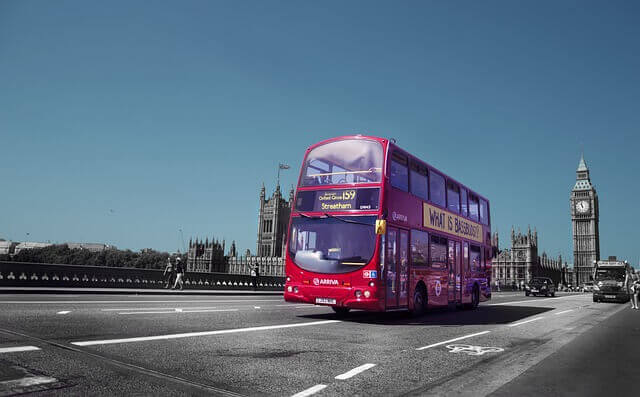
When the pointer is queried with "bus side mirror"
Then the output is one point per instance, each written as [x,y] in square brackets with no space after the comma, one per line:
[381,226]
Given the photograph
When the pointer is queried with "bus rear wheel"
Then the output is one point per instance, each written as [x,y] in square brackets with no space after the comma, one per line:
[340,311]
[419,302]
[475,299]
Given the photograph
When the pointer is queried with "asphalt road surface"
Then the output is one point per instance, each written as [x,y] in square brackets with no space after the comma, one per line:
[261,345]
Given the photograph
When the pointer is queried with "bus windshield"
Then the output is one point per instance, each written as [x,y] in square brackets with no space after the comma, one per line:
[343,162]
[332,244]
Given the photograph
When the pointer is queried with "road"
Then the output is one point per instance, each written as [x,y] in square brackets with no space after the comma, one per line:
[261,345]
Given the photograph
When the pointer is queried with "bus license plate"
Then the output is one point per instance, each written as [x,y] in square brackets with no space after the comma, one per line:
[325,301]
[610,297]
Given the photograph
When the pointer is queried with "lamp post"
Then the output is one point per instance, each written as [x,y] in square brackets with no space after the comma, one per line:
[281,166]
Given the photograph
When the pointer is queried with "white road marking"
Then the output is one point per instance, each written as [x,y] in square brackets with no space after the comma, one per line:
[310,391]
[28,381]
[525,322]
[529,301]
[256,307]
[204,333]
[154,308]
[453,340]
[563,312]
[181,311]
[64,312]
[16,349]
[355,371]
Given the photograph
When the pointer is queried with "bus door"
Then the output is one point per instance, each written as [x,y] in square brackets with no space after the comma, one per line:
[454,283]
[397,268]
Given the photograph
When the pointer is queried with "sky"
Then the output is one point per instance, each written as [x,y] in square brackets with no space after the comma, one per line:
[125,122]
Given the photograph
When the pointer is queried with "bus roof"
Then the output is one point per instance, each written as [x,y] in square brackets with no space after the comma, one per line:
[395,146]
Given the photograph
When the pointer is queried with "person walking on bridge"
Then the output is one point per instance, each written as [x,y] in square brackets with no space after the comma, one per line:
[168,273]
[179,274]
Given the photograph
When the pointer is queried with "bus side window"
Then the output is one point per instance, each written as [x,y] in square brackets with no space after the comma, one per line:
[419,248]
[475,258]
[438,252]
[437,189]
[465,256]
[453,197]
[473,207]
[419,181]
[399,173]
[463,200]
[484,212]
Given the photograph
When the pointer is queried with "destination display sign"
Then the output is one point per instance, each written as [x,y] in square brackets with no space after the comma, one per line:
[445,221]
[338,200]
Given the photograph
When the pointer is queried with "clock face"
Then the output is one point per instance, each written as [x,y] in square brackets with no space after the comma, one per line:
[582,206]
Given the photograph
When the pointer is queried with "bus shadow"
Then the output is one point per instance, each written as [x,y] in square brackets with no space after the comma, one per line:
[483,315]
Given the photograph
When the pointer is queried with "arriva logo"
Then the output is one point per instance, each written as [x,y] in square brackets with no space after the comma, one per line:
[398,217]
[324,281]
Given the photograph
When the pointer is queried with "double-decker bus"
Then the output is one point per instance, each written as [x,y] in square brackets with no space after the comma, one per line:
[375,228]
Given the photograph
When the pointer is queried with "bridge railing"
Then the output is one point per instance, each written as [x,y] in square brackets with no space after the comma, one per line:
[21,274]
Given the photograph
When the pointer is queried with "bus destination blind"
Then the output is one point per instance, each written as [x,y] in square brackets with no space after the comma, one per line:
[338,200]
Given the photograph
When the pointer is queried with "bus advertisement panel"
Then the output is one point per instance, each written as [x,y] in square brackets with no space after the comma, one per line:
[375,228]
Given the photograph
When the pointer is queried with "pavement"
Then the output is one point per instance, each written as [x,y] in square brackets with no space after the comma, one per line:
[106,344]
[139,291]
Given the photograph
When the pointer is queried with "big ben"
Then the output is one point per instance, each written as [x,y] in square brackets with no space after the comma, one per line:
[584,219]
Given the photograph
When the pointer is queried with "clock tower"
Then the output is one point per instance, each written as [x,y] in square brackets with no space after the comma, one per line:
[584,222]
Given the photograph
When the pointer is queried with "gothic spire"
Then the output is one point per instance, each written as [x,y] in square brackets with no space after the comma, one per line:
[582,166]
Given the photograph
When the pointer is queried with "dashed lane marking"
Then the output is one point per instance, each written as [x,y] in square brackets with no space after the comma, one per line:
[64,312]
[204,333]
[256,307]
[564,311]
[533,300]
[17,349]
[525,322]
[355,371]
[453,340]
[181,311]
[310,391]
[154,308]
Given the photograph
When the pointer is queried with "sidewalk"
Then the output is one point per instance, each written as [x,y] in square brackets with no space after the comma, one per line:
[138,291]
[603,361]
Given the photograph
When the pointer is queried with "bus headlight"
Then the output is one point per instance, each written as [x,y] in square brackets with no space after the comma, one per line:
[367,294]
[289,289]
[295,290]
[358,293]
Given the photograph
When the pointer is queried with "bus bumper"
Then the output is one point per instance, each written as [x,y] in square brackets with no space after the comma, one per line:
[339,297]
[610,296]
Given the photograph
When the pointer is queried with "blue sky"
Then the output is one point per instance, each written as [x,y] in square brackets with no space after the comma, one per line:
[122,122]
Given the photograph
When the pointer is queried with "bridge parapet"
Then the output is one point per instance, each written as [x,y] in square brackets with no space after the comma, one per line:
[21,274]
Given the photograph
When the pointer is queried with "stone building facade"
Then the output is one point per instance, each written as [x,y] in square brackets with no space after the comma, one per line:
[273,220]
[585,216]
[208,256]
[521,262]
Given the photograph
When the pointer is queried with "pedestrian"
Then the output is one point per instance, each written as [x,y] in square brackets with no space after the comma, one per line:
[632,283]
[254,276]
[498,285]
[179,274]
[168,273]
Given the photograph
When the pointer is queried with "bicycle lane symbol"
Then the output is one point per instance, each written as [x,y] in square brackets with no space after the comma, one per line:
[473,350]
